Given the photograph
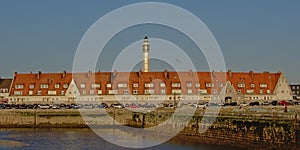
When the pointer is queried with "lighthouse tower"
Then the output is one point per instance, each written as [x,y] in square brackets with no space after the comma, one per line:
[146,49]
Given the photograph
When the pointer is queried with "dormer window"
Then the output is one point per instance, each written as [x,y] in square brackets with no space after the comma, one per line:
[122,85]
[241,85]
[263,85]
[149,85]
[210,85]
[197,85]
[82,85]
[252,85]
[19,86]
[108,85]
[220,84]
[44,86]
[188,84]
[162,84]
[135,85]
[175,84]
[56,86]
[94,85]
[65,86]
[31,86]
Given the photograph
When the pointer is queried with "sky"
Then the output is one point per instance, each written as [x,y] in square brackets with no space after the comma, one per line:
[253,35]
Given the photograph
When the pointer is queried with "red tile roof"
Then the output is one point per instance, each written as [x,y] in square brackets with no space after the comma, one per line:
[145,77]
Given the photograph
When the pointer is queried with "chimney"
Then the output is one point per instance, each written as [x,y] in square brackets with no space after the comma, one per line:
[115,73]
[191,72]
[16,73]
[251,74]
[64,73]
[140,73]
[213,73]
[39,75]
[166,73]
[89,74]
[229,73]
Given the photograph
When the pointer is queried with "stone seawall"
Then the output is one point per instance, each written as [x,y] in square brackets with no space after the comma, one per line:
[254,131]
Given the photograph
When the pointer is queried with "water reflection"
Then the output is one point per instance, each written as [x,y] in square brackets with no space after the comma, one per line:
[75,139]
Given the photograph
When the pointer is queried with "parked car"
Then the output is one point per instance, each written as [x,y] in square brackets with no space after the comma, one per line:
[7,106]
[102,105]
[244,104]
[265,103]
[274,103]
[284,103]
[2,106]
[44,106]
[56,106]
[117,105]
[254,104]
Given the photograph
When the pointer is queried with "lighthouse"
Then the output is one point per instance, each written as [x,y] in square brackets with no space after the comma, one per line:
[146,49]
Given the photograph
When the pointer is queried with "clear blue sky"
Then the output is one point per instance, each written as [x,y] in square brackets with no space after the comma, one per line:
[253,35]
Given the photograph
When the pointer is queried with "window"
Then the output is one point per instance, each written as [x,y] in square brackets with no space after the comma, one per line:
[135,85]
[268,91]
[202,91]
[108,85]
[3,90]
[148,91]
[122,85]
[175,84]
[31,86]
[65,86]
[190,91]
[135,92]
[220,84]
[18,92]
[39,92]
[252,85]
[84,92]
[209,85]
[149,85]
[263,85]
[261,91]
[214,91]
[92,92]
[197,85]
[94,85]
[113,92]
[126,91]
[163,91]
[19,86]
[188,84]
[250,91]
[56,86]
[99,92]
[82,85]
[239,91]
[241,85]
[162,84]
[51,92]
[44,86]
[30,93]
[62,93]
[176,91]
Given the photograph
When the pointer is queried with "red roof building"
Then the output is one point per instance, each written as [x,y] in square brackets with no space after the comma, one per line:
[102,86]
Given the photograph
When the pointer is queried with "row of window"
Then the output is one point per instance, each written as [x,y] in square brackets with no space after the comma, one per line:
[42,86]
[135,85]
[3,90]
[252,91]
